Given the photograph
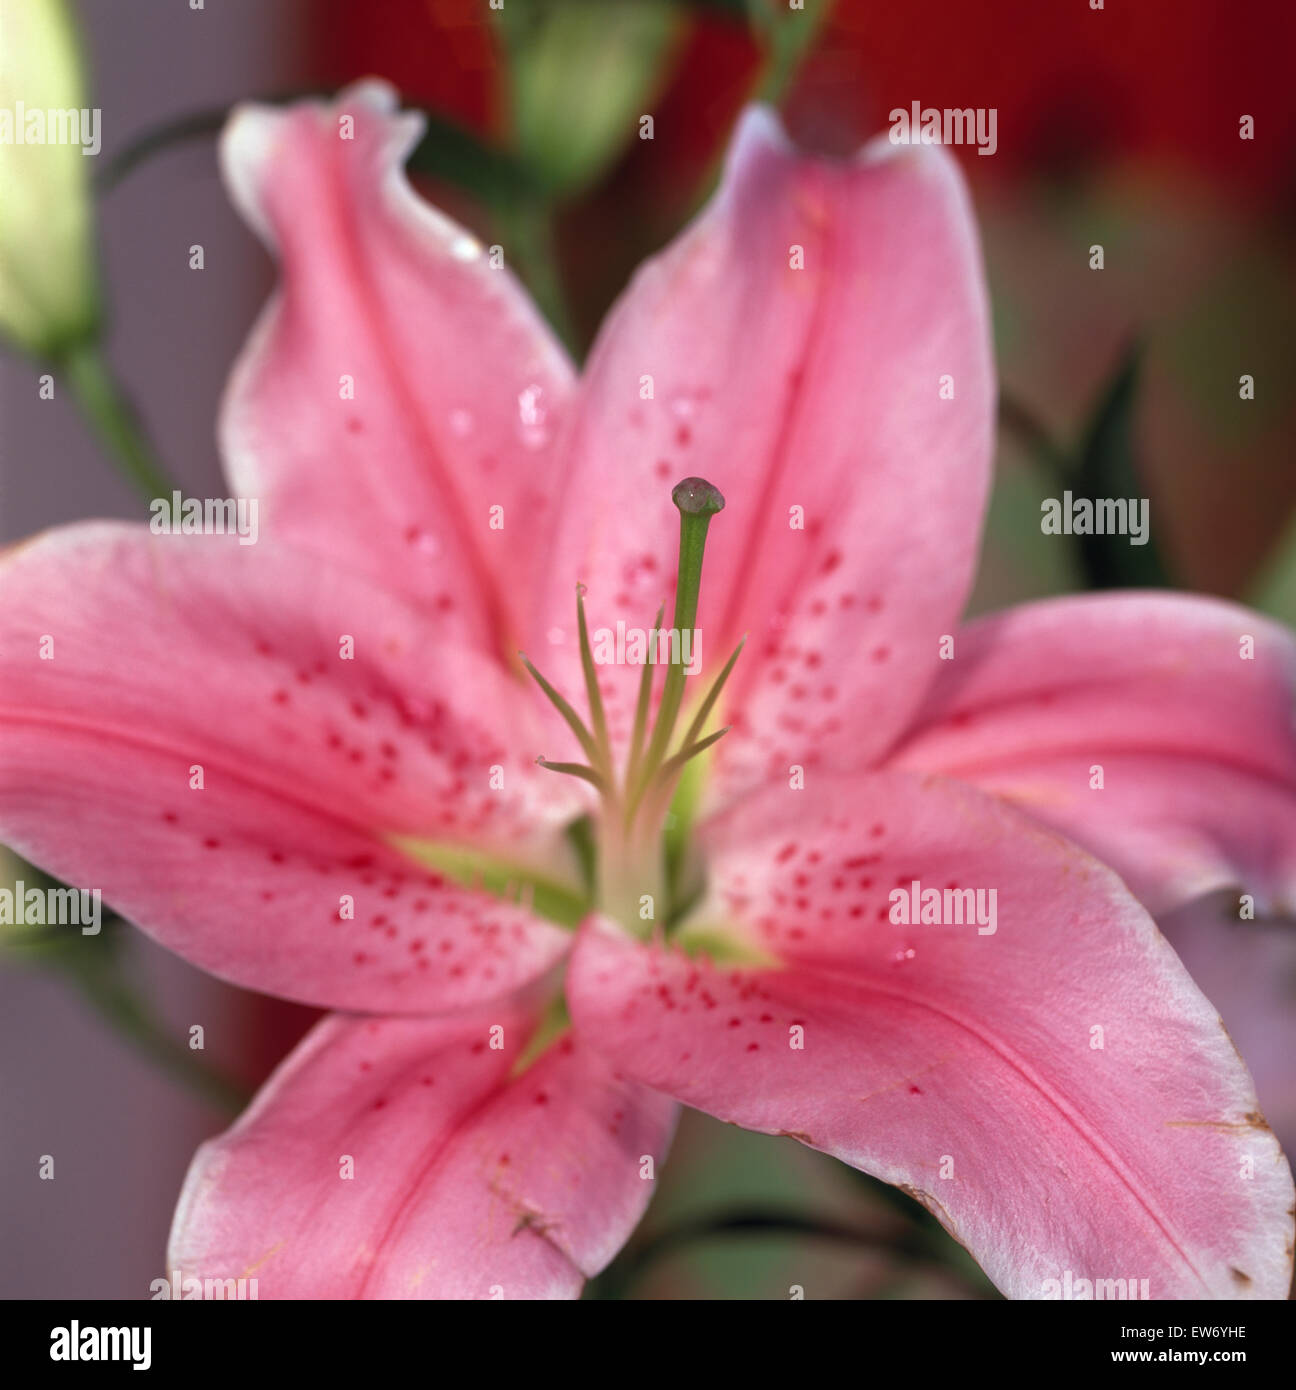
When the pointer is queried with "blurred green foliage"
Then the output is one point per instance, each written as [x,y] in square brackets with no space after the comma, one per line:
[580,74]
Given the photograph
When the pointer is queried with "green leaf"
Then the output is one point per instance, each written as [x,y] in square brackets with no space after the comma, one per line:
[1274,592]
[1106,468]
[1103,465]
[456,156]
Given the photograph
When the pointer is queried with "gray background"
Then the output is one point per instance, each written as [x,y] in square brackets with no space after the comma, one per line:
[120,1131]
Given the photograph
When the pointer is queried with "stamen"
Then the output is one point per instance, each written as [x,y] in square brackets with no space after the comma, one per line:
[676,764]
[630,862]
[573,719]
[592,692]
[700,718]
[642,707]
[586,774]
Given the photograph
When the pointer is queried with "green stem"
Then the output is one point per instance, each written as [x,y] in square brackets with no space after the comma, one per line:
[113,418]
[94,966]
[788,37]
[627,1271]
[120,1006]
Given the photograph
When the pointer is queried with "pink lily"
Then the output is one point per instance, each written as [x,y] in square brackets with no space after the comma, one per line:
[243,745]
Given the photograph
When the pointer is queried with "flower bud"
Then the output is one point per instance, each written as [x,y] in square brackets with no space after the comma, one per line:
[581,77]
[48,296]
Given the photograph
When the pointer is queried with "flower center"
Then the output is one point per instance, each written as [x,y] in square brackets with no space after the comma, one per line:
[636,883]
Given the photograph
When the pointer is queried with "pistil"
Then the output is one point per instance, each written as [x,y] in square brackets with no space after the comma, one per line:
[698,501]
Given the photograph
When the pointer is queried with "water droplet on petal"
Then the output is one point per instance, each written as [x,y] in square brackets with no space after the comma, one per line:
[533,416]
[461,423]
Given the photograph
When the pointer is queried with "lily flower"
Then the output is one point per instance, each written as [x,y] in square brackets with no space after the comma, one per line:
[309,765]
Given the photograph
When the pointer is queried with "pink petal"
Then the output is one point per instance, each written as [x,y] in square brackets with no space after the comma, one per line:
[459,388]
[1195,743]
[957,1065]
[171,653]
[816,389]
[468,1182]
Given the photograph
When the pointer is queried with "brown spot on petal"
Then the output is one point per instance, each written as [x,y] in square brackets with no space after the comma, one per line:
[1252,1120]
[937,1209]
[796,1134]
